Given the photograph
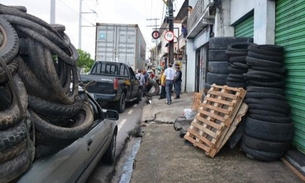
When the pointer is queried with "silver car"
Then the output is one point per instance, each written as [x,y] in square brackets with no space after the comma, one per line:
[76,162]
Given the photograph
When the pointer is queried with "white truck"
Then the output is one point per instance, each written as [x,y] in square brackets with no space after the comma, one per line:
[120,43]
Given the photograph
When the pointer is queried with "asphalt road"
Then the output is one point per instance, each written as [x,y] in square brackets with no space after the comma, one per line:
[126,125]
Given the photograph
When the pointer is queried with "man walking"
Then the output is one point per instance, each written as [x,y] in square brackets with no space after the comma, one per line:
[169,75]
[178,81]
[141,79]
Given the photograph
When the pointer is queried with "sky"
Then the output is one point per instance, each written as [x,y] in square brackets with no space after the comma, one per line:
[107,11]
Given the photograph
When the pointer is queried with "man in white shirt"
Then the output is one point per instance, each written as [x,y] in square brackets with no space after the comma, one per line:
[170,75]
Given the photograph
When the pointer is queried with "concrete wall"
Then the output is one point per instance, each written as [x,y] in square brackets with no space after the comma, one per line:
[264,17]
[191,59]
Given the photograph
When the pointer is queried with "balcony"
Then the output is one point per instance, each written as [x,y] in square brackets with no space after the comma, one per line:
[203,14]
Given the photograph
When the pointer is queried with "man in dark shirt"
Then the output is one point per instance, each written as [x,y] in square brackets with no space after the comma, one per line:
[178,81]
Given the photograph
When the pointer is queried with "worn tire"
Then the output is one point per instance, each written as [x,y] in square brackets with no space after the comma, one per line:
[155,86]
[109,156]
[221,43]
[121,103]
[218,55]
[218,79]
[220,67]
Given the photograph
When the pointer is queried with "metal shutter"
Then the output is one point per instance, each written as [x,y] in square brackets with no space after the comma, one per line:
[245,28]
[289,32]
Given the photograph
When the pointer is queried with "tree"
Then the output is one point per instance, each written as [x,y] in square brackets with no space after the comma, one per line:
[84,60]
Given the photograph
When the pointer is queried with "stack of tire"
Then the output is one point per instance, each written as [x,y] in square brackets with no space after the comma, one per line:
[218,60]
[268,129]
[40,113]
[238,65]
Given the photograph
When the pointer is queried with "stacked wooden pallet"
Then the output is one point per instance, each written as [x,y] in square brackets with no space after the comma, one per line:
[217,118]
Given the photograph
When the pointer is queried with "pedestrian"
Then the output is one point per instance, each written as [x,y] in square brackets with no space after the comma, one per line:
[141,79]
[169,74]
[178,81]
[162,82]
[146,77]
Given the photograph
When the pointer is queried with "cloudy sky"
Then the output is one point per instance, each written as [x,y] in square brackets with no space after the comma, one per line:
[107,11]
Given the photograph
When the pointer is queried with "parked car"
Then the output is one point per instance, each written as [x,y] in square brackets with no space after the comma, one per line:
[77,161]
[114,83]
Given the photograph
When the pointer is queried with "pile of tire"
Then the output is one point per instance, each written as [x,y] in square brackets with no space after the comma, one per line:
[218,60]
[40,113]
[237,53]
[268,129]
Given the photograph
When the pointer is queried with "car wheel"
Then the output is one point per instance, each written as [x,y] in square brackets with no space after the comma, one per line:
[109,156]
[120,104]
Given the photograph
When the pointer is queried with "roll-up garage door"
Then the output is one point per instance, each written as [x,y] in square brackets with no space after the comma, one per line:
[289,32]
[245,28]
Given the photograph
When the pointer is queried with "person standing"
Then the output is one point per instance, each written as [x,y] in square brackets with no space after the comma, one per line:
[141,79]
[169,75]
[178,81]
[146,77]
[162,82]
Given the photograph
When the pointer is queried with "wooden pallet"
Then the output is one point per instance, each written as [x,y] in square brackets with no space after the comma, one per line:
[212,124]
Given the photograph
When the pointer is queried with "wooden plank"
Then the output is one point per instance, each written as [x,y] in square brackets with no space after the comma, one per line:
[234,112]
[210,99]
[227,87]
[200,137]
[212,115]
[210,123]
[226,95]
[218,109]
[293,169]
[206,130]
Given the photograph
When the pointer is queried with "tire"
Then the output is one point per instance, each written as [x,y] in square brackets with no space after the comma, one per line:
[270,118]
[267,107]
[109,156]
[239,47]
[265,89]
[218,55]
[13,151]
[120,104]
[279,70]
[218,79]
[12,67]
[261,155]
[10,44]
[11,170]
[241,59]
[266,50]
[268,131]
[83,123]
[264,74]
[220,67]
[276,84]
[234,70]
[266,57]
[264,113]
[155,89]
[221,43]
[44,150]
[263,95]
[262,63]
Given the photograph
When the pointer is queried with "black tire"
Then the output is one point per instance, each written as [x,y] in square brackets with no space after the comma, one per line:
[47,140]
[44,150]
[270,118]
[154,89]
[120,104]
[235,70]
[13,135]
[268,131]
[12,67]
[11,170]
[12,115]
[10,44]
[182,133]
[279,70]
[48,108]
[265,89]
[13,151]
[221,43]
[261,145]
[218,79]
[262,95]
[239,65]
[264,113]
[236,84]
[262,63]
[265,57]
[239,47]
[278,84]
[236,53]
[220,67]
[218,55]
[266,50]
[264,74]
[268,107]
[109,156]
[241,59]
[83,123]
[261,155]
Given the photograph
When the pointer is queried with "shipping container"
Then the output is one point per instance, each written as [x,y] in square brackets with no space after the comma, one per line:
[120,43]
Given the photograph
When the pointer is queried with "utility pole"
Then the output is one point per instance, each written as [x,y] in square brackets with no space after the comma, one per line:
[52,16]
[171,28]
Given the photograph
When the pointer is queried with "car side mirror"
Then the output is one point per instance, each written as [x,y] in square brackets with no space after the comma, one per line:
[112,114]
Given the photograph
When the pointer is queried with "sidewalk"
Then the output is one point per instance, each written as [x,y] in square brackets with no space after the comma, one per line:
[164,157]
